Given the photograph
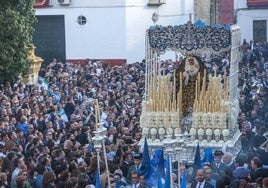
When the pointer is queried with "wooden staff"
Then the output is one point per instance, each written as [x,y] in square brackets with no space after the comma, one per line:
[180,92]
[198,84]
[174,90]
[96,114]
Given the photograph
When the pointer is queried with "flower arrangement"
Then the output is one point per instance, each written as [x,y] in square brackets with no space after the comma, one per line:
[225,132]
[192,131]
[200,131]
[170,131]
[217,132]
[153,131]
[208,132]
[161,131]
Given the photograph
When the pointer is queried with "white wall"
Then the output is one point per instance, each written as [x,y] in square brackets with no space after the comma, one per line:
[115,28]
[139,19]
[240,4]
[245,21]
[246,16]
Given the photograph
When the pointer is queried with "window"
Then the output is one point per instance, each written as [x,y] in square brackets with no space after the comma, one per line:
[259,30]
[82,20]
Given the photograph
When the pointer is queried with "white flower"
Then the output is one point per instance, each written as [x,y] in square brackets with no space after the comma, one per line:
[192,131]
[213,142]
[217,132]
[161,131]
[153,131]
[145,130]
[221,142]
[230,143]
[177,130]
[170,130]
[225,132]
[209,132]
[204,142]
[200,131]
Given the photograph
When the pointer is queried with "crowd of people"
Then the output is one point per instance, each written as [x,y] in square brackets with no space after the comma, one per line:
[47,128]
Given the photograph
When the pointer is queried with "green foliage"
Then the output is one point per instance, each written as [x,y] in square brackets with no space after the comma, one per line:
[16,32]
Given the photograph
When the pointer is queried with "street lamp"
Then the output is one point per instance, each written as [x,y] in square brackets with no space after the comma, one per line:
[169,145]
[179,143]
[97,140]
[102,129]
[103,132]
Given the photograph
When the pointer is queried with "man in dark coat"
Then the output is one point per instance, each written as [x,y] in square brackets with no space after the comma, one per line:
[137,164]
[240,170]
[217,166]
[257,170]
[127,163]
[82,138]
[200,181]
[228,161]
[69,107]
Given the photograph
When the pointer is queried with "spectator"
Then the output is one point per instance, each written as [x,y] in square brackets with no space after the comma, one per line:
[228,161]
[265,182]
[200,180]
[137,164]
[259,137]
[257,170]
[262,152]
[234,182]
[217,166]
[240,170]
[49,179]
[244,182]
[127,163]
[3,180]
[220,183]
[135,181]
[208,177]
[19,164]
[118,177]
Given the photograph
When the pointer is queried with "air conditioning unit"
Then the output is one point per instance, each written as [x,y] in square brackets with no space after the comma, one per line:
[155,2]
[64,2]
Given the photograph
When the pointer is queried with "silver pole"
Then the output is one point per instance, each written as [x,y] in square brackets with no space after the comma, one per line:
[106,163]
[170,164]
[98,160]
[179,173]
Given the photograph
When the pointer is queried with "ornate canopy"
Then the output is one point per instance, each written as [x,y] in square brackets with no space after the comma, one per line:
[189,37]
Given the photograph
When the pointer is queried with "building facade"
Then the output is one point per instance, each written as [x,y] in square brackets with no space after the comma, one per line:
[102,29]
[74,30]
[252,17]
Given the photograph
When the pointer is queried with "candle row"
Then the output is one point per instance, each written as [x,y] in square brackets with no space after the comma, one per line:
[209,97]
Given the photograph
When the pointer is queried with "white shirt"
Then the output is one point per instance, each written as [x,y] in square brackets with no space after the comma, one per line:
[14,177]
[2,154]
[136,186]
[202,184]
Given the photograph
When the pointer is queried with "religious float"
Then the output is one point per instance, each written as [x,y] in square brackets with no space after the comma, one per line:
[33,75]
[193,104]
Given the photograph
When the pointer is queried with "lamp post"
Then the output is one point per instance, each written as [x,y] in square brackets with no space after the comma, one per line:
[97,140]
[168,145]
[179,142]
[103,132]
